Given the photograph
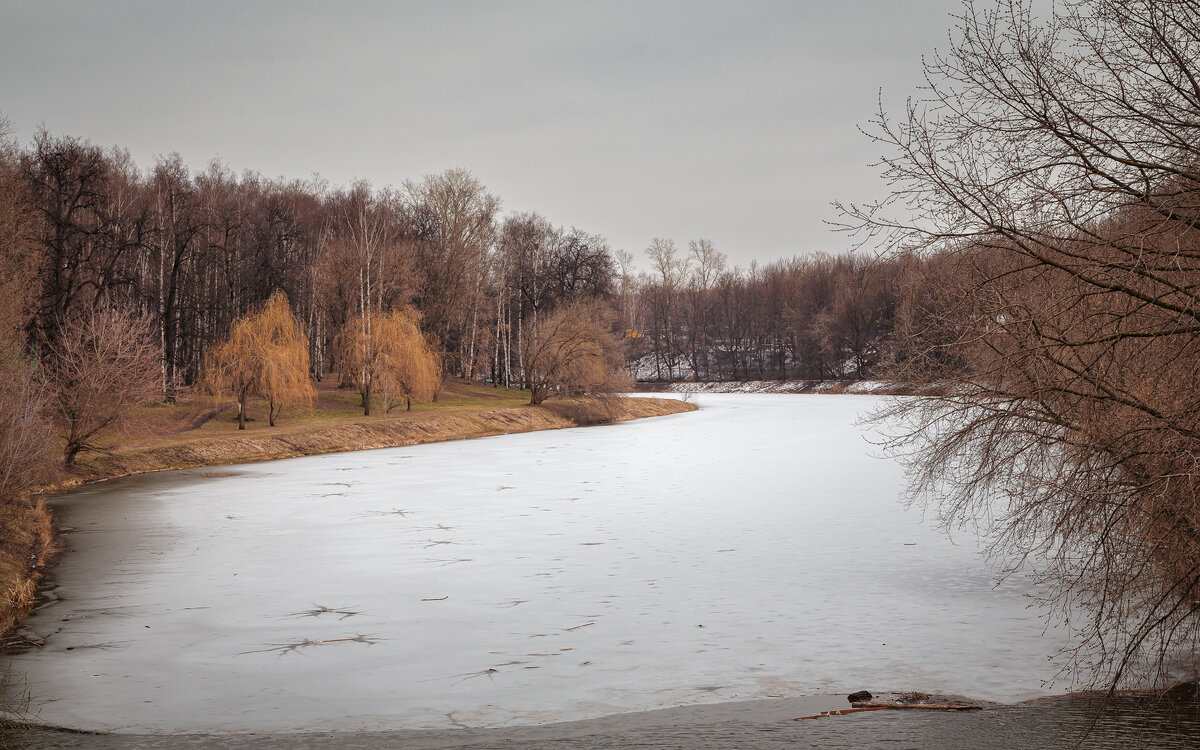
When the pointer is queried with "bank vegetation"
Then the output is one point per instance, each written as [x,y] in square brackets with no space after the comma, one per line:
[1050,179]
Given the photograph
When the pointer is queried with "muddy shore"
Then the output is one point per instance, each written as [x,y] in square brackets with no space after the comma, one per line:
[1044,724]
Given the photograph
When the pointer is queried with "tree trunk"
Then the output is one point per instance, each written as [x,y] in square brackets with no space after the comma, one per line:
[242,410]
[470,363]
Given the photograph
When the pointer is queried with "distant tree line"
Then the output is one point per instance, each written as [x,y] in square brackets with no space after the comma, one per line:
[814,317]
[197,251]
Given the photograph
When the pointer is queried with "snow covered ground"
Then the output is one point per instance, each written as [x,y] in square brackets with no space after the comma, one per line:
[786,386]
[754,548]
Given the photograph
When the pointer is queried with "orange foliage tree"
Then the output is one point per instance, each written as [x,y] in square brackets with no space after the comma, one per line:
[266,355]
[386,355]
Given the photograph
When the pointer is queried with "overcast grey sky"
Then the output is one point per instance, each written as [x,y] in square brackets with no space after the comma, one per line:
[733,121]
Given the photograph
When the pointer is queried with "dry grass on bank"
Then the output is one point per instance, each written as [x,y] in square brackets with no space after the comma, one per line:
[26,545]
[206,434]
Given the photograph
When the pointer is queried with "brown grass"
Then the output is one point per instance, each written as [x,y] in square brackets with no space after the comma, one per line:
[27,546]
[203,434]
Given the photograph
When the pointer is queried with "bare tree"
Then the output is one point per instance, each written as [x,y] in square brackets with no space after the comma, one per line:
[1055,159]
[455,216]
[87,230]
[20,232]
[177,227]
[25,436]
[669,272]
[573,352]
[707,265]
[26,441]
[102,366]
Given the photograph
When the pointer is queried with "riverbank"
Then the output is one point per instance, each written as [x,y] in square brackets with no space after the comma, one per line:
[197,435]
[314,437]
[861,387]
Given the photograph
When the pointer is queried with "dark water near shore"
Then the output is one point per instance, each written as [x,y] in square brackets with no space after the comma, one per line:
[1062,722]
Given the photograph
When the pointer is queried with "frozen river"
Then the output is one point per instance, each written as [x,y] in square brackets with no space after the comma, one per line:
[755,548]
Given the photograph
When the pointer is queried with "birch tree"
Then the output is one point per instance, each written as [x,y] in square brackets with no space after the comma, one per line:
[456,234]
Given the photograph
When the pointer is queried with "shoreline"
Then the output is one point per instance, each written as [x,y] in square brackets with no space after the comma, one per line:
[754,723]
[432,426]
[755,710]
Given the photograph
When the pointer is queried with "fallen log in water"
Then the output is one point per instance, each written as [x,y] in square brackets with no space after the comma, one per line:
[823,714]
[922,706]
[859,707]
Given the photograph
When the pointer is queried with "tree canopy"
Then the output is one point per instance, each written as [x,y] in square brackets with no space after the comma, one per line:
[266,355]
[573,352]
[387,356]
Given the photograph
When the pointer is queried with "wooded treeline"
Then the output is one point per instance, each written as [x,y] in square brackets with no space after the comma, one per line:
[196,250]
[812,317]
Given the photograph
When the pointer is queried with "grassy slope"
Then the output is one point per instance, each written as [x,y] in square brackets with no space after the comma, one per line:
[201,434]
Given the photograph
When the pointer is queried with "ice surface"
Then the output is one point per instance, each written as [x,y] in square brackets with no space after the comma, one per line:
[754,548]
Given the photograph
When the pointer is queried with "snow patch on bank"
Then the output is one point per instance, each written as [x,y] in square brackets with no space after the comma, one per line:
[876,387]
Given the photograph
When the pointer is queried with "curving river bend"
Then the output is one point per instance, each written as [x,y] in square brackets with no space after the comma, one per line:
[757,548]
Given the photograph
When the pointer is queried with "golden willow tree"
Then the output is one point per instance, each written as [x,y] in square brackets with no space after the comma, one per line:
[266,355]
[387,356]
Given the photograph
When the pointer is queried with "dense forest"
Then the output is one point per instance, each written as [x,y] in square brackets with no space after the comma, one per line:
[196,249]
